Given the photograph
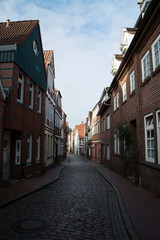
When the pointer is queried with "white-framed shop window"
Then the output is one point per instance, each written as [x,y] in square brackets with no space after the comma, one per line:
[18,152]
[156,52]
[29,148]
[38,149]
[124,90]
[149,137]
[31,95]
[158,133]
[132,82]
[20,88]
[145,65]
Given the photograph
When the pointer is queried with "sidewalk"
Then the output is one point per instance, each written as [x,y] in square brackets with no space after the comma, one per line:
[23,188]
[142,207]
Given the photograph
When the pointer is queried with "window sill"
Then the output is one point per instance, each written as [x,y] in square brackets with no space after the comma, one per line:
[124,102]
[151,165]
[156,71]
[116,154]
[116,110]
[132,93]
[146,80]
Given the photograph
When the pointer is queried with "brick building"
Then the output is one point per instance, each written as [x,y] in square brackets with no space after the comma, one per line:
[23,77]
[3,177]
[49,131]
[58,127]
[105,128]
[79,139]
[135,103]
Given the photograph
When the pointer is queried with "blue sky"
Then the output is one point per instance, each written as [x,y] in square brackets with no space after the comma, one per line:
[84,35]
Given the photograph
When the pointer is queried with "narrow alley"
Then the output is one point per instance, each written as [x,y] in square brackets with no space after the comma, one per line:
[80,205]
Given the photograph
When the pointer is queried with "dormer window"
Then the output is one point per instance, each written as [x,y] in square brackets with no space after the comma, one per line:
[35,47]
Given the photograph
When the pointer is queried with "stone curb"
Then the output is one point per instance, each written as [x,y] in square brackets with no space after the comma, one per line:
[133,233]
[126,219]
[32,191]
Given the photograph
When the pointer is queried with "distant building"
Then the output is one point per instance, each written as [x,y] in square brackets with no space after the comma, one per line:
[79,139]
[49,131]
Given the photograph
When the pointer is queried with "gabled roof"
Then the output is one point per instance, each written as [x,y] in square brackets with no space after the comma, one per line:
[57,92]
[16,32]
[47,57]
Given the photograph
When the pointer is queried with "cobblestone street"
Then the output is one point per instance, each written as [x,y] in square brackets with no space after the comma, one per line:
[80,205]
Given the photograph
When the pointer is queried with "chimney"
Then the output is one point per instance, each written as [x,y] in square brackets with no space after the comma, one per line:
[8,21]
[82,123]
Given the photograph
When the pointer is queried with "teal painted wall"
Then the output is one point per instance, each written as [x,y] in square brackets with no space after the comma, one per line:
[31,64]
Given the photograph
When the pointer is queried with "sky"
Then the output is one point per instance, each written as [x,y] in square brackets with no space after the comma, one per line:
[84,35]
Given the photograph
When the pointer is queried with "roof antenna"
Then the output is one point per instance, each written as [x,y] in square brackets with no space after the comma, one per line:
[8,21]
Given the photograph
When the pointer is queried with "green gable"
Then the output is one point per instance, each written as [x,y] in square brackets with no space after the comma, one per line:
[29,62]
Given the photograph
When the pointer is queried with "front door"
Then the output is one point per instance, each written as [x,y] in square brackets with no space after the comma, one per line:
[6,156]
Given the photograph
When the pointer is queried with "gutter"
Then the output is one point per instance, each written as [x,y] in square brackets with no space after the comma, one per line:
[8,48]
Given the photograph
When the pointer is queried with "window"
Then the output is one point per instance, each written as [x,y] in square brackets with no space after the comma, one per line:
[149,138]
[82,141]
[116,142]
[31,95]
[39,101]
[38,149]
[108,151]
[103,150]
[158,134]
[124,90]
[35,47]
[145,64]
[18,152]
[20,88]
[156,52]
[108,121]
[116,101]
[29,148]
[132,82]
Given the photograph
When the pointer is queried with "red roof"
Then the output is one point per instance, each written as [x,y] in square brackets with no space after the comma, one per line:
[47,56]
[80,130]
[16,32]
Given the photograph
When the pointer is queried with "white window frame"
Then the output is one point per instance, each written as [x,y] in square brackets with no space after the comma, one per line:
[116,101]
[116,143]
[148,129]
[158,135]
[132,81]
[29,141]
[39,101]
[104,152]
[38,149]
[31,95]
[108,152]
[108,121]
[157,41]
[21,84]
[18,152]
[124,90]
[146,66]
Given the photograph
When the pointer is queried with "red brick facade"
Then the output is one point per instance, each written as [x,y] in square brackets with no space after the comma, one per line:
[20,121]
[141,104]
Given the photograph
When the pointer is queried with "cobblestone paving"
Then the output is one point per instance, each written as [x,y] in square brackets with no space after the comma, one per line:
[81,205]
